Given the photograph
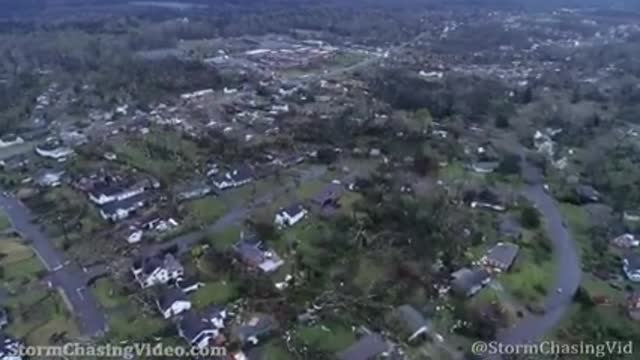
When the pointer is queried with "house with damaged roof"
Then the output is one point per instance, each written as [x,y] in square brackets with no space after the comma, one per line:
[156,270]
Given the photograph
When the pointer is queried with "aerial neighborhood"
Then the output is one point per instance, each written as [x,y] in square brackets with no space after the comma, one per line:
[347,180]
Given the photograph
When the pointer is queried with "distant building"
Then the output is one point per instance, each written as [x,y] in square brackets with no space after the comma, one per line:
[54,150]
[193,191]
[156,270]
[626,241]
[485,167]
[235,178]
[256,329]
[10,140]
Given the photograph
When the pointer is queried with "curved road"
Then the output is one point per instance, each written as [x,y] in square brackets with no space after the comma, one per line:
[63,274]
[533,327]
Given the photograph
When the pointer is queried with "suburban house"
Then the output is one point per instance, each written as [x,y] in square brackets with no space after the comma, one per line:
[104,192]
[49,177]
[193,190]
[631,216]
[368,347]
[587,194]
[235,178]
[172,301]
[467,282]
[633,306]
[631,267]
[196,330]
[54,150]
[256,329]
[413,322]
[290,216]
[9,348]
[252,252]
[329,196]
[16,162]
[484,167]
[122,209]
[10,140]
[488,200]
[155,270]
[625,241]
[501,256]
[189,285]
[217,315]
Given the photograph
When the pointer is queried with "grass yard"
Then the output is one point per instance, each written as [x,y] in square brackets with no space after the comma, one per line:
[60,324]
[309,189]
[225,239]
[206,210]
[19,264]
[528,281]
[369,271]
[276,351]
[328,338]
[132,324]
[213,293]
[106,292]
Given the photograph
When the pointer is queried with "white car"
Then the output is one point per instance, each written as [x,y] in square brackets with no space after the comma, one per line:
[559,290]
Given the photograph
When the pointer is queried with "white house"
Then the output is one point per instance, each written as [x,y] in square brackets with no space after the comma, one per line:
[54,150]
[120,210]
[485,205]
[103,193]
[10,140]
[290,216]
[631,267]
[157,270]
[172,302]
[235,178]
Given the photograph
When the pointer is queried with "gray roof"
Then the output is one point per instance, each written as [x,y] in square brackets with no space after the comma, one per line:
[192,325]
[259,326]
[169,295]
[465,279]
[330,192]
[503,253]
[366,348]
[151,263]
[412,318]
[293,210]
[633,261]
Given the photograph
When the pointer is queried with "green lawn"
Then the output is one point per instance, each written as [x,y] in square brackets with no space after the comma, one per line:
[309,189]
[213,293]
[327,337]
[225,239]
[42,317]
[369,271]
[131,324]
[276,351]
[57,325]
[106,292]
[206,210]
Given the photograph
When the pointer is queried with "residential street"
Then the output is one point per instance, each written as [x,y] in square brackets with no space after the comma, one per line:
[67,276]
[568,271]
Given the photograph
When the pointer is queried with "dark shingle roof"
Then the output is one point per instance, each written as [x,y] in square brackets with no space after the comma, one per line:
[169,295]
[192,325]
[503,253]
[366,348]
[412,318]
